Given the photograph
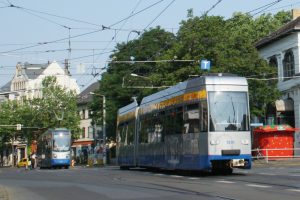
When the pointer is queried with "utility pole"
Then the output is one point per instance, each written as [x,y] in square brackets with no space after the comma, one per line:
[104,124]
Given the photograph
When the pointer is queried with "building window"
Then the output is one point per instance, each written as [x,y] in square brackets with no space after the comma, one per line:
[288,65]
[273,62]
[83,132]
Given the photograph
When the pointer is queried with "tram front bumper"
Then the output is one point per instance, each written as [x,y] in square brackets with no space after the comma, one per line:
[60,162]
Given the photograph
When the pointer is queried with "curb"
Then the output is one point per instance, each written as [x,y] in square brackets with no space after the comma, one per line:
[278,163]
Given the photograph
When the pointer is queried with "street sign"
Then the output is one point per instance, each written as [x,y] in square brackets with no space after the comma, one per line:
[205,64]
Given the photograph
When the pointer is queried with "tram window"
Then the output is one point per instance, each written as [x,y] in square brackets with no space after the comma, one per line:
[162,120]
[228,111]
[191,119]
[145,122]
[178,120]
[169,122]
[130,136]
[203,116]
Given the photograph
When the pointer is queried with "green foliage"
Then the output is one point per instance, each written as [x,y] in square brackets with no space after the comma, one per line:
[57,108]
[228,44]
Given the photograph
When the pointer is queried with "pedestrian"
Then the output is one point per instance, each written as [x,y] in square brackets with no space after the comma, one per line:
[32,157]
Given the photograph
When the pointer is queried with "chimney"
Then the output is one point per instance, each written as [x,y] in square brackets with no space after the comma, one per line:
[295,13]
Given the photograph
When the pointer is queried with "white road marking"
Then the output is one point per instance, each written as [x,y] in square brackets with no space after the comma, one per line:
[221,181]
[297,175]
[194,178]
[293,190]
[269,174]
[176,176]
[259,186]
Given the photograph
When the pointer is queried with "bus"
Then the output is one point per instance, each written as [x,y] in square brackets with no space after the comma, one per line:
[53,148]
[200,124]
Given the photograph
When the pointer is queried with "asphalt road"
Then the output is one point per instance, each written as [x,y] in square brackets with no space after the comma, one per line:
[264,181]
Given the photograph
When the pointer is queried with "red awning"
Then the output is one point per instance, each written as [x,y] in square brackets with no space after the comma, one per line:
[82,143]
[273,128]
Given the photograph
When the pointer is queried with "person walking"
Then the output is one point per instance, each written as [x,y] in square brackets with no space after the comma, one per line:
[33,160]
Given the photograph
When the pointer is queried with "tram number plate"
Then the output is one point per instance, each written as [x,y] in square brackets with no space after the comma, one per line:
[238,162]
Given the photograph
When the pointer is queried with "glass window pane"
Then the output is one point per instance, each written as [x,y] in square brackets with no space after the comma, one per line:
[228,111]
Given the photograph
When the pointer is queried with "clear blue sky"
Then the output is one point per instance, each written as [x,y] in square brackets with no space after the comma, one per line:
[31,22]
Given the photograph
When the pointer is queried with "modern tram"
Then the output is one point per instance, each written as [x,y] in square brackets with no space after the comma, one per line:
[200,124]
[53,148]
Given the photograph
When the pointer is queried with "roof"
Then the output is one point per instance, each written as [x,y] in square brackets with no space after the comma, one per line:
[34,70]
[5,88]
[85,96]
[287,29]
[275,128]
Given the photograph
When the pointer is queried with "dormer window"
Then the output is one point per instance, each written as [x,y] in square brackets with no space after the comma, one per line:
[288,65]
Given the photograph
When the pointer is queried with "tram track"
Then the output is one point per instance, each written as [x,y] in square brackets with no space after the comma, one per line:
[185,185]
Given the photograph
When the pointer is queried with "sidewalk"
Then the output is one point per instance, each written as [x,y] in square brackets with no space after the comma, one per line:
[290,162]
[3,193]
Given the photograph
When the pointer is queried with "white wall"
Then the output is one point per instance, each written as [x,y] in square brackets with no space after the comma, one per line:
[290,88]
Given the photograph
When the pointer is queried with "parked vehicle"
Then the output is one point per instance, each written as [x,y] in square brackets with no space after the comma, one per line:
[24,162]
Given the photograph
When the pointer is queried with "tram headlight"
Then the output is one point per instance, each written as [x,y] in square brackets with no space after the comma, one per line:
[54,156]
[214,142]
[245,142]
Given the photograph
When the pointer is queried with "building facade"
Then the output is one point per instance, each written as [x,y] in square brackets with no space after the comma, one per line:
[83,146]
[282,50]
[27,84]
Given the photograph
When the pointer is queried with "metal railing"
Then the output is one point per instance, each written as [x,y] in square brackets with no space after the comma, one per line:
[275,154]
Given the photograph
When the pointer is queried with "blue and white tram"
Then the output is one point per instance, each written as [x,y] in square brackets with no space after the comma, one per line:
[53,148]
[199,124]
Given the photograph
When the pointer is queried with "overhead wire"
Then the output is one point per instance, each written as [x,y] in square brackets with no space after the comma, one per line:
[159,14]
[263,8]
[288,5]
[114,37]
[213,6]
[84,34]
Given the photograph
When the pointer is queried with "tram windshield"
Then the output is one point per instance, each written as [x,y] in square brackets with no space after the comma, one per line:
[61,141]
[228,111]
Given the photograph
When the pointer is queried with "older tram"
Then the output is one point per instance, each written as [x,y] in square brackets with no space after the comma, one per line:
[199,124]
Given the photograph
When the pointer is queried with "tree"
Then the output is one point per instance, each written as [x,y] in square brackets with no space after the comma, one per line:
[57,107]
[149,46]
[228,44]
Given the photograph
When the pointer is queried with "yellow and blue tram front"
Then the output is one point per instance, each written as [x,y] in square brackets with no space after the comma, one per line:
[228,137]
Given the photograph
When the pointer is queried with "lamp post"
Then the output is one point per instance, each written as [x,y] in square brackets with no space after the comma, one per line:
[136,75]
[104,123]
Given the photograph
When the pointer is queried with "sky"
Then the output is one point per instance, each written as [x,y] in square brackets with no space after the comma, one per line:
[36,31]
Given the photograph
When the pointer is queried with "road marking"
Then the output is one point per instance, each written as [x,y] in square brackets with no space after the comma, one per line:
[221,181]
[293,190]
[259,186]
[269,174]
[159,174]
[176,176]
[193,178]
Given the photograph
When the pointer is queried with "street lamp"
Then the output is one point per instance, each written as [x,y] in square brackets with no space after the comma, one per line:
[133,31]
[104,124]
[136,75]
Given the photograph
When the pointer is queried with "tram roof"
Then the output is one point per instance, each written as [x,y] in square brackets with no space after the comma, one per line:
[194,85]
[128,108]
